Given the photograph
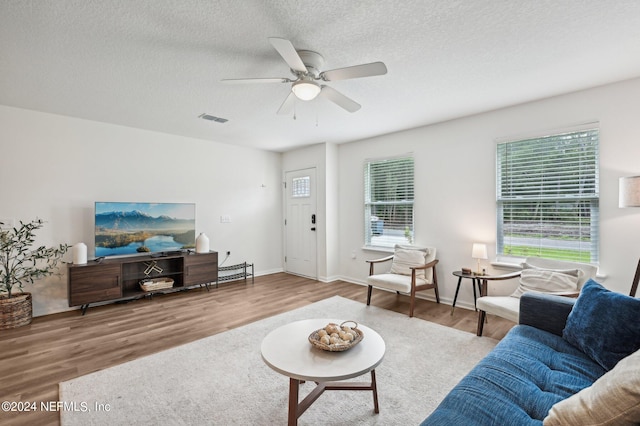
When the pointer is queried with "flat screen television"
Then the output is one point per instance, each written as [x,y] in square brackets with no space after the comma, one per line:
[143,228]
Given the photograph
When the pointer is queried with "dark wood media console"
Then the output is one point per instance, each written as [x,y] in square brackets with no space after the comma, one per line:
[112,280]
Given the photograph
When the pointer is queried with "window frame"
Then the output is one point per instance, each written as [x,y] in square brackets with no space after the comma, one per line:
[582,194]
[382,242]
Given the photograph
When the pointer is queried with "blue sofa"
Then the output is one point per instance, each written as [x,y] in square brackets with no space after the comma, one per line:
[534,367]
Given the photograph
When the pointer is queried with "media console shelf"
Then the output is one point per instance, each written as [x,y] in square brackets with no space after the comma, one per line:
[116,279]
[235,272]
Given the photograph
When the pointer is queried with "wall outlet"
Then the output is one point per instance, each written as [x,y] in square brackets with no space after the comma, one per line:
[225,219]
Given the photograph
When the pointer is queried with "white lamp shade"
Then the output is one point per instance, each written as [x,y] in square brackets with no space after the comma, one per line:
[629,191]
[479,251]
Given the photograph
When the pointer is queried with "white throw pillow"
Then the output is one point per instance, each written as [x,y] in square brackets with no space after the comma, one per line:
[613,399]
[404,258]
[548,281]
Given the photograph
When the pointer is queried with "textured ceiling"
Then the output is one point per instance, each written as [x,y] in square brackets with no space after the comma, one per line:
[157,64]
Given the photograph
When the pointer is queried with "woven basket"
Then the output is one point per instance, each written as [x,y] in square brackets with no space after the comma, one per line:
[156,284]
[15,312]
[314,339]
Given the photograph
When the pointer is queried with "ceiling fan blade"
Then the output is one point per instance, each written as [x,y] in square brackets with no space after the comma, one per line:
[287,105]
[255,80]
[288,53]
[339,99]
[356,71]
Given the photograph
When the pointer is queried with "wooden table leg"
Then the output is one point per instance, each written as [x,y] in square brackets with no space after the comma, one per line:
[475,298]
[294,386]
[482,315]
[481,319]
[374,388]
[484,290]
[297,408]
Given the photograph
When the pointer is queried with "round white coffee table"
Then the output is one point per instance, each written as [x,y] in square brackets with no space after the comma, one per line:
[287,350]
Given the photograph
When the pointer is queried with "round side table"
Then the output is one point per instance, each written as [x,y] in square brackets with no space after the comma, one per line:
[287,350]
[474,281]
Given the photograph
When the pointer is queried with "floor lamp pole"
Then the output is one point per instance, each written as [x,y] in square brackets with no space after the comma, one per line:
[636,278]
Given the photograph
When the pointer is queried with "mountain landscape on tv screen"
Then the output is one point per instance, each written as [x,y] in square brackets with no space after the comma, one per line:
[137,220]
[126,232]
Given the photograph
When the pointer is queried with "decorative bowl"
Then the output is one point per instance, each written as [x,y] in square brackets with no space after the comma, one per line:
[314,338]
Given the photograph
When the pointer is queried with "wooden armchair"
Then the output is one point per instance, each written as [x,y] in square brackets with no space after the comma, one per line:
[412,269]
[538,274]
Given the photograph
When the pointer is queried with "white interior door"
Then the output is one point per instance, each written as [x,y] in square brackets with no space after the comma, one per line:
[300,223]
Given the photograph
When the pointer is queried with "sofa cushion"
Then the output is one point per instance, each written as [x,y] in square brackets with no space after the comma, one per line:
[547,281]
[517,383]
[614,399]
[604,324]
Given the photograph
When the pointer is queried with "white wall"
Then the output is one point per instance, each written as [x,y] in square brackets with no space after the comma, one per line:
[455,182]
[56,167]
[331,213]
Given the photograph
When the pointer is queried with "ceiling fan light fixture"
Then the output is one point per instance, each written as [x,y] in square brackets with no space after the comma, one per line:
[306,90]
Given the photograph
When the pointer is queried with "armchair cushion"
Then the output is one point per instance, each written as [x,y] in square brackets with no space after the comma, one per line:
[604,324]
[547,281]
[406,257]
[503,306]
[395,282]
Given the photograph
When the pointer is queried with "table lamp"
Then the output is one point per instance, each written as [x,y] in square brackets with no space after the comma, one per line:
[478,252]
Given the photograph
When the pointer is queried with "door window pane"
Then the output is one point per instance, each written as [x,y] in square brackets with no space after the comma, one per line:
[301,187]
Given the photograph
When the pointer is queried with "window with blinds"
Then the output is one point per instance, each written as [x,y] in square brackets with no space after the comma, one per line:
[388,201]
[548,197]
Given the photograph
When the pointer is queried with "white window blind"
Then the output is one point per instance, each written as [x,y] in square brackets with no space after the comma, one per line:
[548,197]
[388,200]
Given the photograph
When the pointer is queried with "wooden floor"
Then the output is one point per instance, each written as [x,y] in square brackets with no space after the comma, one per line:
[60,347]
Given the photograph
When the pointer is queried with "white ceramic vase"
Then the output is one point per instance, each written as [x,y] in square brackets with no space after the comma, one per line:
[79,254]
[202,243]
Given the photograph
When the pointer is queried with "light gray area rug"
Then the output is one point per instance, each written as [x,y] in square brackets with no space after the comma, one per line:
[222,380]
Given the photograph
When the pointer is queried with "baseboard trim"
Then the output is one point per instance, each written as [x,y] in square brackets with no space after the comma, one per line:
[445,300]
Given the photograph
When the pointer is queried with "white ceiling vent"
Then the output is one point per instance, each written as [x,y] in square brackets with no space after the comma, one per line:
[209,117]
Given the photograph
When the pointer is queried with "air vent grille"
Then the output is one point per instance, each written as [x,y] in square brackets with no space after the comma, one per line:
[210,117]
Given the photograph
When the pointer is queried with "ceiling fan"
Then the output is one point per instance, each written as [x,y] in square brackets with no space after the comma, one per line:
[306,66]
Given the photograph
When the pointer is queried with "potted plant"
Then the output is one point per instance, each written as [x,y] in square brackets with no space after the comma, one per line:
[21,264]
